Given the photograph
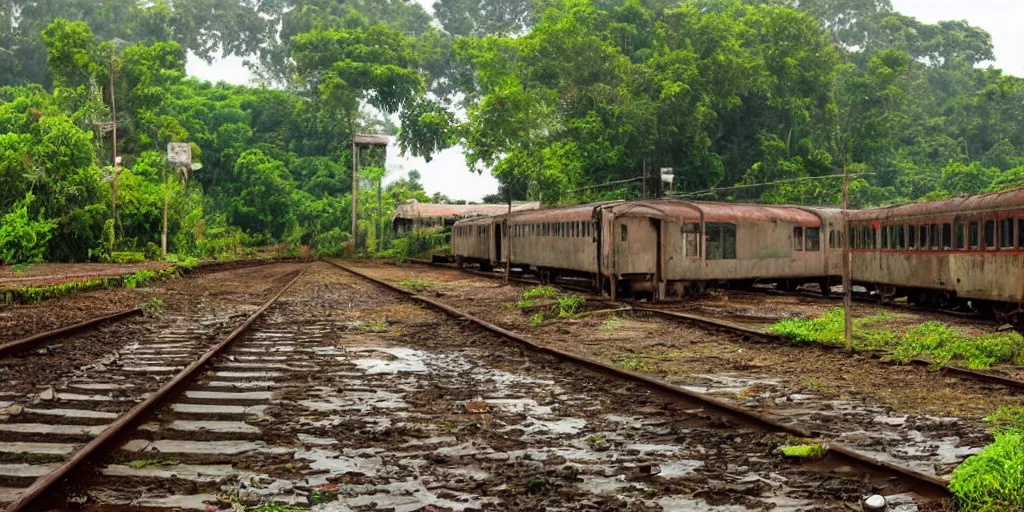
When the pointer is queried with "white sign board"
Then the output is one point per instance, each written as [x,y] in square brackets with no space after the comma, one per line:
[668,175]
[179,154]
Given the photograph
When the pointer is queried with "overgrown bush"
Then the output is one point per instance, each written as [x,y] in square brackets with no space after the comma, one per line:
[940,343]
[993,480]
[23,240]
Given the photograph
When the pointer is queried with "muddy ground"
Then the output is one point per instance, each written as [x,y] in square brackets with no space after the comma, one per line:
[347,396]
[908,414]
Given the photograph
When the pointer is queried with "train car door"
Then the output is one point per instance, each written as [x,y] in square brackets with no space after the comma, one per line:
[637,246]
[498,232]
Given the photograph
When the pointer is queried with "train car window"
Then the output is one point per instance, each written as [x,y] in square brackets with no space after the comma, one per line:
[851,235]
[947,237]
[798,238]
[721,241]
[959,236]
[933,236]
[990,234]
[885,237]
[624,232]
[911,237]
[691,239]
[1020,233]
[1006,233]
[813,239]
[831,239]
[972,236]
[899,237]
[922,237]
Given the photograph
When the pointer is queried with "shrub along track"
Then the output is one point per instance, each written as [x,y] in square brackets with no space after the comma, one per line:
[903,414]
[56,399]
[346,392]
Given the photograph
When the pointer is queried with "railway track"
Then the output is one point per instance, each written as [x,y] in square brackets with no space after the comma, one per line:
[344,392]
[846,453]
[761,335]
[53,432]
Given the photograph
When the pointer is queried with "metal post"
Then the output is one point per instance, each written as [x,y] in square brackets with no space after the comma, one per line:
[847,263]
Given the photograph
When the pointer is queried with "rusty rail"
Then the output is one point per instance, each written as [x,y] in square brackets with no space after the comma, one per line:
[929,482]
[15,346]
[39,496]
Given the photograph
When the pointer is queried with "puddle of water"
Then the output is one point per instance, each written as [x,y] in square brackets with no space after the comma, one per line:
[602,484]
[541,428]
[679,468]
[336,464]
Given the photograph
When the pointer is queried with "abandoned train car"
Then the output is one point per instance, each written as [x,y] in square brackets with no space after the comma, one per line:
[661,248]
[944,253]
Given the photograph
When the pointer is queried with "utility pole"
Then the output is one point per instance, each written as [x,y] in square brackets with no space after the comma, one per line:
[847,262]
[355,194]
[167,195]
[645,178]
[507,235]
[116,159]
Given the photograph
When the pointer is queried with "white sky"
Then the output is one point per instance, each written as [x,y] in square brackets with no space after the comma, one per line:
[447,172]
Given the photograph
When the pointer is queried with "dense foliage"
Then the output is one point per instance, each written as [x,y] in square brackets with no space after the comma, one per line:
[563,94]
[551,96]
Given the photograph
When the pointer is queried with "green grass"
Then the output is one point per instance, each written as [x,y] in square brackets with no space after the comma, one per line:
[570,307]
[611,324]
[538,318]
[375,326]
[541,292]
[804,451]
[1007,418]
[935,341]
[634,363]
[417,285]
[145,463]
[993,480]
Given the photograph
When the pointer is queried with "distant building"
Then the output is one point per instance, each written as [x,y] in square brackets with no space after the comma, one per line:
[412,213]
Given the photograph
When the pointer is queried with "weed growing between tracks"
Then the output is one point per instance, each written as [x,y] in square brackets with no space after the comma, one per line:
[936,341]
[804,451]
[564,306]
[993,480]
[417,285]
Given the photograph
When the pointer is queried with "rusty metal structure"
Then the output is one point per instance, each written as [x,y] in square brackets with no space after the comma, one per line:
[945,253]
[661,248]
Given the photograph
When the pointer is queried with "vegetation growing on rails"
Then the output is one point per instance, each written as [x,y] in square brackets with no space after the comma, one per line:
[804,451]
[418,285]
[993,480]
[611,324]
[937,342]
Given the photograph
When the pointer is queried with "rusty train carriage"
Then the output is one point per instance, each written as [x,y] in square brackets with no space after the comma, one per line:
[945,252]
[661,248]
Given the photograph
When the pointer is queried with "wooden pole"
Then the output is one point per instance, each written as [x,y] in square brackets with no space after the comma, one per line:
[117,166]
[355,193]
[508,236]
[847,263]
[163,237]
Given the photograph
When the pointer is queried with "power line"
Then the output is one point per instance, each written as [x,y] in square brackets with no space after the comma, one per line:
[751,185]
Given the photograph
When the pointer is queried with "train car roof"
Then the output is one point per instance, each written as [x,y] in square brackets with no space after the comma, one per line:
[563,213]
[733,212]
[994,201]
